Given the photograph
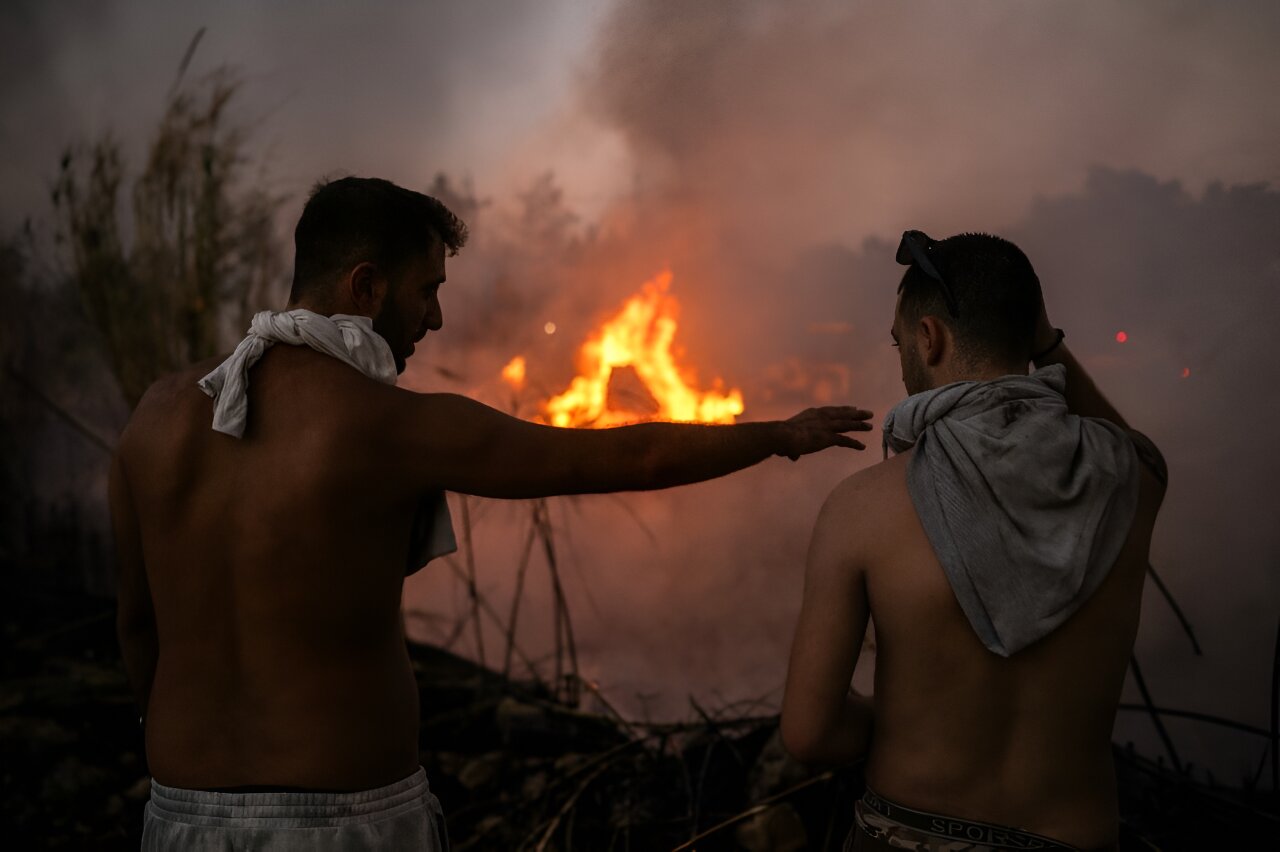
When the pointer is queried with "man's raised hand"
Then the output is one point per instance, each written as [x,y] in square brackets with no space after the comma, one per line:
[815,429]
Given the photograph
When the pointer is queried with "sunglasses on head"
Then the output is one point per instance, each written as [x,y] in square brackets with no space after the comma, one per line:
[914,251]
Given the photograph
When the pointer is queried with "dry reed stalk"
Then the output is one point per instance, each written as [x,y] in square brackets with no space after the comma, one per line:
[515,598]
[759,807]
[1275,720]
[594,689]
[598,761]
[712,726]
[567,807]
[460,623]
[70,419]
[1177,610]
[1155,715]
[556,603]
[1199,717]
[472,589]
[488,610]
[564,639]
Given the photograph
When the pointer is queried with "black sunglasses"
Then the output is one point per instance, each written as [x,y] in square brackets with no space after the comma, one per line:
[914,251]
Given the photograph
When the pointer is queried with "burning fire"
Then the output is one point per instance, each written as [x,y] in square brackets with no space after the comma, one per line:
[513,373]
[638,336]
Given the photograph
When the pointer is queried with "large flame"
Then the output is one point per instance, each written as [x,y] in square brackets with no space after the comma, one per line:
[639,336]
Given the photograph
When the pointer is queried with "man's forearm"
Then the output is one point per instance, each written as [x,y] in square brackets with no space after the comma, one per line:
[490,454]
[662,455]
[1083,396]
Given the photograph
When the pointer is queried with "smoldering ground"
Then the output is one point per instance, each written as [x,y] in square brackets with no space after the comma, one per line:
[768,154]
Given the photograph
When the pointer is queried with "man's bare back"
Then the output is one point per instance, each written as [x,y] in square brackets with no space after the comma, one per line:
[1017,738]
[1021,740]
[275,563]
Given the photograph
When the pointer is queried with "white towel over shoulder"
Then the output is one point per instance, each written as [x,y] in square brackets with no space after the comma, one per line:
[350,339]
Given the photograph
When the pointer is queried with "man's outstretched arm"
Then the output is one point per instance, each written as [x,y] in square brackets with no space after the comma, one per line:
[461,445]
[823,719]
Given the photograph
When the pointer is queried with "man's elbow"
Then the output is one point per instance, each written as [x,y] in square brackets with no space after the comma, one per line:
[803,739]
[826,737]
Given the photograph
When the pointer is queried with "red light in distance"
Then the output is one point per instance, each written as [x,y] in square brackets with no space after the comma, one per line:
[1121,337]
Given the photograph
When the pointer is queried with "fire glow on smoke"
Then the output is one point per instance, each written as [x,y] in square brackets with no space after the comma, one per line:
[638,336]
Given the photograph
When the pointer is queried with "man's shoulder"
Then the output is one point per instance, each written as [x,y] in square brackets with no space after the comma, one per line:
[177,382]
[870,498]
[875,482]
[167,401]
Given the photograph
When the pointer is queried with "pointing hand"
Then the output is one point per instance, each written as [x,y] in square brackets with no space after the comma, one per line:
[815,429]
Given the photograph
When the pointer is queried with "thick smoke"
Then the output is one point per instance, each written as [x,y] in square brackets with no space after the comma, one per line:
[826,120]
[769,154]
[778,150]
[695,591]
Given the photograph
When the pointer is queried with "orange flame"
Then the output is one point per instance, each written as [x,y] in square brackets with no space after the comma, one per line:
[513,373]
[639,336]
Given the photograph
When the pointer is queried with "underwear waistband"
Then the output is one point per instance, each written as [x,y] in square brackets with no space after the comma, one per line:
[956,828]
[179,804]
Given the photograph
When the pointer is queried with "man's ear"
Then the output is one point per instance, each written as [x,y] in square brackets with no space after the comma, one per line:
[934,338]
[367,288]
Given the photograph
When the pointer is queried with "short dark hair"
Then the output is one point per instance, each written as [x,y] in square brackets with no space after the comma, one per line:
[351,220]
[996,292]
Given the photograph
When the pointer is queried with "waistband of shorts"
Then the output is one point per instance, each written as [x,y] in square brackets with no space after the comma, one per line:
[956,828]
[184,805]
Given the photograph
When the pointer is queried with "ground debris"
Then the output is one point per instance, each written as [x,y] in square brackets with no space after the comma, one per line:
[514,769]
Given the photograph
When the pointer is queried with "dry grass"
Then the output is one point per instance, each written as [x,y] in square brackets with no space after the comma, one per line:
[178,280]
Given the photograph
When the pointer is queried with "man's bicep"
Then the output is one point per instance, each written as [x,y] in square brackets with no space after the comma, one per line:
[458,444]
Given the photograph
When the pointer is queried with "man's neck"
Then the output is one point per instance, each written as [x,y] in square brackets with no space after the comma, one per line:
[977,373]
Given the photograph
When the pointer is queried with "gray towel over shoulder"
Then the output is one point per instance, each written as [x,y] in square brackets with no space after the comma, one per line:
[1027,506]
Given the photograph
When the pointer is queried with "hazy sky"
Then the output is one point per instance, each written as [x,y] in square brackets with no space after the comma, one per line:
[855,116]
[404,91]
[770,152]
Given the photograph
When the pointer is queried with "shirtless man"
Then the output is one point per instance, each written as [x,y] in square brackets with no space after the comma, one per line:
[1001,555]
[261,565]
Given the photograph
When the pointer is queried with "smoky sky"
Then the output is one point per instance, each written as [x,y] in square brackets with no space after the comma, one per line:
[769,154]
[400,89]
[831,120]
